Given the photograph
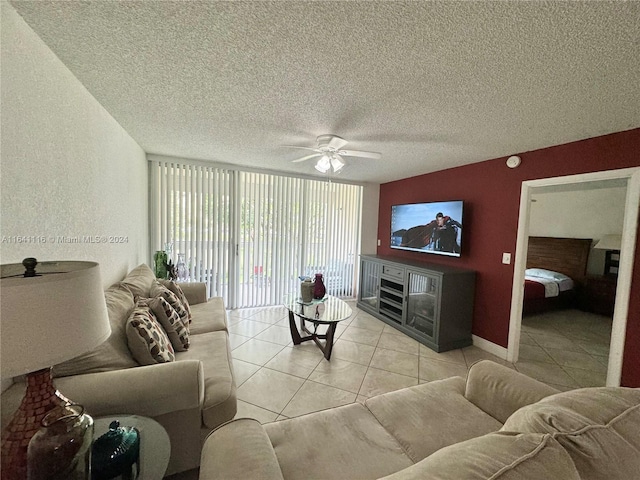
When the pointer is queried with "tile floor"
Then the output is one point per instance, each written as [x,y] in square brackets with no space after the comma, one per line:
[566,348]
[276,380]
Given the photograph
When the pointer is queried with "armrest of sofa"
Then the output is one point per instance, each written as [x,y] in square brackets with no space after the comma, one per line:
[239,449]
[151,390]
[500,391]
[196,292]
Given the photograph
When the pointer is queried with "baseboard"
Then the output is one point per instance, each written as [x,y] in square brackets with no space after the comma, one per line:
[490,347]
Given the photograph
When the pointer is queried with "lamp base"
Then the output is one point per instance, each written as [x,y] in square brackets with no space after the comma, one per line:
[40,398]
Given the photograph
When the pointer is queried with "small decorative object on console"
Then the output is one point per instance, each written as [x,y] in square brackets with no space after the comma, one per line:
[319,290]
[115,453]
[61,448]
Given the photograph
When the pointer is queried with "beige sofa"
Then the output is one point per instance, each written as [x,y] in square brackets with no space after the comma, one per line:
[188,397]
[499,424]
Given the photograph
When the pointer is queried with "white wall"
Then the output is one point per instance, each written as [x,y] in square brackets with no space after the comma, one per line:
[579,214]
[370,204]
[68,169]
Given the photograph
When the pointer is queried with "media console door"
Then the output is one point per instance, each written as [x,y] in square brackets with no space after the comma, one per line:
[431,303]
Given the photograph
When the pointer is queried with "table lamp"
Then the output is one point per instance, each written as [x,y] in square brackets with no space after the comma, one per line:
[611,243]
[46,317]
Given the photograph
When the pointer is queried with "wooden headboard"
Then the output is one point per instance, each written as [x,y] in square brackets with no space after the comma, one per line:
[564,255]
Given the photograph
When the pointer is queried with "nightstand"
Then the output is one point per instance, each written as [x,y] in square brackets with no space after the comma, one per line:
[599,294]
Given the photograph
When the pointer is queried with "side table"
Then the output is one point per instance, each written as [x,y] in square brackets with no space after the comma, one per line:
[599,294]
[155,446]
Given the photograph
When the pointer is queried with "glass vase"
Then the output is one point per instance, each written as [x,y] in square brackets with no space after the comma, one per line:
[61,448]
[319,289]
[181,269]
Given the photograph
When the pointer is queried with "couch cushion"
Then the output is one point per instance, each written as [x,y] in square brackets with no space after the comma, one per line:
[139,281]
[496,456]
[239,450]
[114,353]
[500,391]
[214,351]
[597,426]
[147,340]
[209,316]
[339,443]
[168,318]
[412,414]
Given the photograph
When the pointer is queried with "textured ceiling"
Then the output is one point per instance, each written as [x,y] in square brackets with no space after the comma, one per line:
[430,85]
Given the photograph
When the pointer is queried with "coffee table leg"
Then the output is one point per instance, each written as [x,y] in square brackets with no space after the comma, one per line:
[329,344]
[295,335]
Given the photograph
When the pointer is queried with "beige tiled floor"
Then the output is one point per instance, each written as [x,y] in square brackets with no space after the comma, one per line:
[276,380]
[566,348]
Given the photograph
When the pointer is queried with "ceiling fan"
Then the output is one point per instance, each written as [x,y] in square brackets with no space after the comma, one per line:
[330,151]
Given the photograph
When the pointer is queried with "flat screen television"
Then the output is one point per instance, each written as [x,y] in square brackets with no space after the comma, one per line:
[433,227]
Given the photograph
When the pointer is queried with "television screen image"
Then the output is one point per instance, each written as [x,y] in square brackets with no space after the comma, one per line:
[434,227]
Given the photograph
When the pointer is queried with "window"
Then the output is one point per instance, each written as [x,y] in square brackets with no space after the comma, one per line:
[250,235]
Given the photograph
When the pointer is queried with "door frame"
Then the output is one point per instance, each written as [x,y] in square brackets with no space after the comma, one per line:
[627,254]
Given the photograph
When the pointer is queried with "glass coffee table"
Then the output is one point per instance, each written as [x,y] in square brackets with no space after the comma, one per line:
[327,311]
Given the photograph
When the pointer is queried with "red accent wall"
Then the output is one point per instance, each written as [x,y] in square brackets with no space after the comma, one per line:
[491,192]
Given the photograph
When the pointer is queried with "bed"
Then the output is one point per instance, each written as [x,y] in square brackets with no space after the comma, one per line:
[556,269]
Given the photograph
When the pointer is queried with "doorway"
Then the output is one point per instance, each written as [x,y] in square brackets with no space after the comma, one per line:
[627,252]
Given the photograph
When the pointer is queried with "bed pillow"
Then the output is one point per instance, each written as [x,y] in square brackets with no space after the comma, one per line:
[548,274]
[147,340]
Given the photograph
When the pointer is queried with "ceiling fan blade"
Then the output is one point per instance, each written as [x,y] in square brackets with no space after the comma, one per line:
[303,148]
[337,143]
[358,153]
[313,155]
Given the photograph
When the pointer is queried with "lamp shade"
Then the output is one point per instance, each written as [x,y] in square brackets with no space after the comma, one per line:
[54,316]
[609,242]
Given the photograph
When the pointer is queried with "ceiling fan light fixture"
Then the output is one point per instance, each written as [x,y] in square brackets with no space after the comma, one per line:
[324,164]
[336,163]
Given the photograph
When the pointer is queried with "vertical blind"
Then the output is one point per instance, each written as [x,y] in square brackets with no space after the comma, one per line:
[249,235]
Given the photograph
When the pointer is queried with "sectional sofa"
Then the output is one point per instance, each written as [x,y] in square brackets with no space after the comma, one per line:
[498,424]
[189,396]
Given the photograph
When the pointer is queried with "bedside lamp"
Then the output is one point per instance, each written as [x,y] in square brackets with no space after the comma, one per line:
[46,317]
[609,242]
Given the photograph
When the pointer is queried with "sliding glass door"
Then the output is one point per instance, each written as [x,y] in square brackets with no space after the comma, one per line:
[249,236]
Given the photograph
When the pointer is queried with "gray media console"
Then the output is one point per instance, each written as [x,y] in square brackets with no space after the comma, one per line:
[431,303]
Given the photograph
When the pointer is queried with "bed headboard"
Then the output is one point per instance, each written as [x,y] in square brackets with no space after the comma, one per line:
[564,255]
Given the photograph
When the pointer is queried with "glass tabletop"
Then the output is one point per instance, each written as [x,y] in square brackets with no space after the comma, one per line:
[326,310]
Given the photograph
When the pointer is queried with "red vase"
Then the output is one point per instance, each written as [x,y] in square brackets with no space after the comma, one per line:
[319,289]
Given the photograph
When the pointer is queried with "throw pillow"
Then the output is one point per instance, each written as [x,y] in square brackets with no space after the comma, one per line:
[139,280]
[167,316]
[501,455]
[147,340]
[177,290]
[159,290]
[596,426]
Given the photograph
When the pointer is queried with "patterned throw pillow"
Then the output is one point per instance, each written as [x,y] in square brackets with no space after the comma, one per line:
[159,290]
[147,340]
[175,288]
[167,316]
